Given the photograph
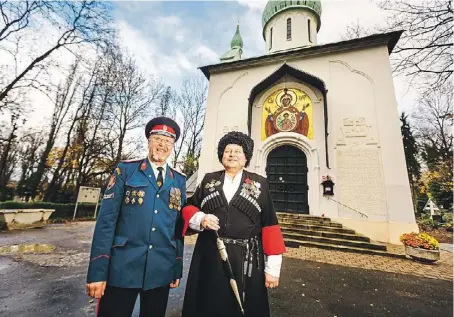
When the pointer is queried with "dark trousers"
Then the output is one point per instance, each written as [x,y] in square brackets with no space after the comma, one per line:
[119,302]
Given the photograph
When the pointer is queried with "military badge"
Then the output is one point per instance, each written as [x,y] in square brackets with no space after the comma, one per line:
[118,171]
[143,166]
[108,196]
[133,201]
[140,193]
[111,183]
[140,200]
[134,193]
[175,198]
[211,185]
[251,188]
[127,200]
[159,183]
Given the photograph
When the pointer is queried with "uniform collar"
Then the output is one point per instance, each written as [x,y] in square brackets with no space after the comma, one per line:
[155,167]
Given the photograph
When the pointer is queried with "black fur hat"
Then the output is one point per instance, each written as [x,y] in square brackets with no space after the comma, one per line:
[240,139]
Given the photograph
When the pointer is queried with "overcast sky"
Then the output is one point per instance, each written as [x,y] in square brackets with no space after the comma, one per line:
[171,39]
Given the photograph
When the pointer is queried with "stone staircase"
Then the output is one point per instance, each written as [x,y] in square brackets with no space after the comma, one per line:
[321,232]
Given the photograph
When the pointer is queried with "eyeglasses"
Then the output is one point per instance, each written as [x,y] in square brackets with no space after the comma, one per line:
[236,152]
[161,140]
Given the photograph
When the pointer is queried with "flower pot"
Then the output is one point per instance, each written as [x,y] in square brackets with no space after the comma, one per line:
[423,255]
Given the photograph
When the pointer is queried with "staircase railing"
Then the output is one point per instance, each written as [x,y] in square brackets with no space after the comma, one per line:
[338,202]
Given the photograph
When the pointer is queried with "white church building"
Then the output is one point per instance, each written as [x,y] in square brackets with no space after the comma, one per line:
[316,112]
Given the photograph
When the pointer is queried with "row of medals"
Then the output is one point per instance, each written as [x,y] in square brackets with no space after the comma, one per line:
[174,203]
[134,196]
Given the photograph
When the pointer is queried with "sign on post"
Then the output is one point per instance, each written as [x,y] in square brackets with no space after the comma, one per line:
[88,195]
[430,206]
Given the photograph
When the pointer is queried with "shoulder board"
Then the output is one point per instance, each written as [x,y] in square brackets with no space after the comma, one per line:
[132,161]
[178,172]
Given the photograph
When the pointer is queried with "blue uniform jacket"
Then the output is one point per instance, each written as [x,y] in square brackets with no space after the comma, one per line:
[137,241]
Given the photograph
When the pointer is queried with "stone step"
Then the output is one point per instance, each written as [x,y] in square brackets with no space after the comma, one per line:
[283,215]
[314,222]
[320,233]
[316,227]
[334,241]
[292,243]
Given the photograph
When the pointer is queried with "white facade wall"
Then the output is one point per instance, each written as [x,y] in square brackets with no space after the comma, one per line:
[365,146]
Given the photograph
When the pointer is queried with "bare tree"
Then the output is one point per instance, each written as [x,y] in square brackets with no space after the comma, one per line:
[192,101]
[28,156]
[134,99]
[8,148]
[425,49]
[16,15]
[93,136]
[434,124]
[167,103]
[63,161]
[64,100]
[79,22]
[354,31]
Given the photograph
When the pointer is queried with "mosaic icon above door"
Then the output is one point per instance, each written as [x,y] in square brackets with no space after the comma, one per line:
[287,110]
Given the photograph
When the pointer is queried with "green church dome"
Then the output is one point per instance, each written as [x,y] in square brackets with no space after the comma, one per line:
[272,8]
[237,41]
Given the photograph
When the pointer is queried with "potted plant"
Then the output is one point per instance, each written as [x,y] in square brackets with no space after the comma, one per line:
[421,246]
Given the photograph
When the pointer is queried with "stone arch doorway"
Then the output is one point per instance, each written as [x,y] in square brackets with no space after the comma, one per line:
[286,169]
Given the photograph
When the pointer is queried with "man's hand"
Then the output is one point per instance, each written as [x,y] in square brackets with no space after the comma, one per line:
[210,222]
[96,289]
[175,283]
[271,281]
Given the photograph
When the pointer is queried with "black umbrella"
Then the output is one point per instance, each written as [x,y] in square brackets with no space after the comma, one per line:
[228,269]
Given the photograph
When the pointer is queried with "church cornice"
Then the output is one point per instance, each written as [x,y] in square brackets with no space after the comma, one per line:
[389,39]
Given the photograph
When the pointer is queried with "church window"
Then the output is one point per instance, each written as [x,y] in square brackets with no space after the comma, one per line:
[309,30]
[271,38]
[289,29]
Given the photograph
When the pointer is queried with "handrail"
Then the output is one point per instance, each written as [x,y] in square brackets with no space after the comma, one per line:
[362,215]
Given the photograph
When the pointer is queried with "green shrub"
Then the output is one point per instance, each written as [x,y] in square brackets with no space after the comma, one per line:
[428,224]
[447,217]
[62,211]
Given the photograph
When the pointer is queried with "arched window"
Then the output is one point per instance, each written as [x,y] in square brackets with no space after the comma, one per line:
[289,29]
[271,38]
[309,30]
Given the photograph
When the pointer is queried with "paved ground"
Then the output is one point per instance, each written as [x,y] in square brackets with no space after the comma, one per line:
[326,283]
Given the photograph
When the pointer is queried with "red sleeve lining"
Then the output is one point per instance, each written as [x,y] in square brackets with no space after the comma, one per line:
[272,240]
[188,212]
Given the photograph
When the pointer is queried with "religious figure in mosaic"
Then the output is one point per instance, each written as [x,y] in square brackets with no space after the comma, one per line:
[287,117]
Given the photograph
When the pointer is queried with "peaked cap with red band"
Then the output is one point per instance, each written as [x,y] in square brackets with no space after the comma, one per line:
[162,126]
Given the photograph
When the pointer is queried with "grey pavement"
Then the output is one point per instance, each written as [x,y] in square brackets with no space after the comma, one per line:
[447,247]
[54,284]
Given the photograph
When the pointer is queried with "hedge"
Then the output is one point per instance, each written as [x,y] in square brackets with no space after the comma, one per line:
[64,211]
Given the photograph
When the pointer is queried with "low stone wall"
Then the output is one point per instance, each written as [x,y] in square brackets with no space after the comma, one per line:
[11,219]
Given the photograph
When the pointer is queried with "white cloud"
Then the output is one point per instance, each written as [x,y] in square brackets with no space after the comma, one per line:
[184,62]
[206,54]
[257,5]
[142,48]
[170,20]
[338,14]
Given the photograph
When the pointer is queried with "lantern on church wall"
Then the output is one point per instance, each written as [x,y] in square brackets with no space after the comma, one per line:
[328,186]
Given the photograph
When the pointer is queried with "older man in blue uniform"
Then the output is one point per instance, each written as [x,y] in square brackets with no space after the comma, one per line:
[137,244]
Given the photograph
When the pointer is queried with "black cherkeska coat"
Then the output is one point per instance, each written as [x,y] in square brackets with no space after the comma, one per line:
[208,292]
